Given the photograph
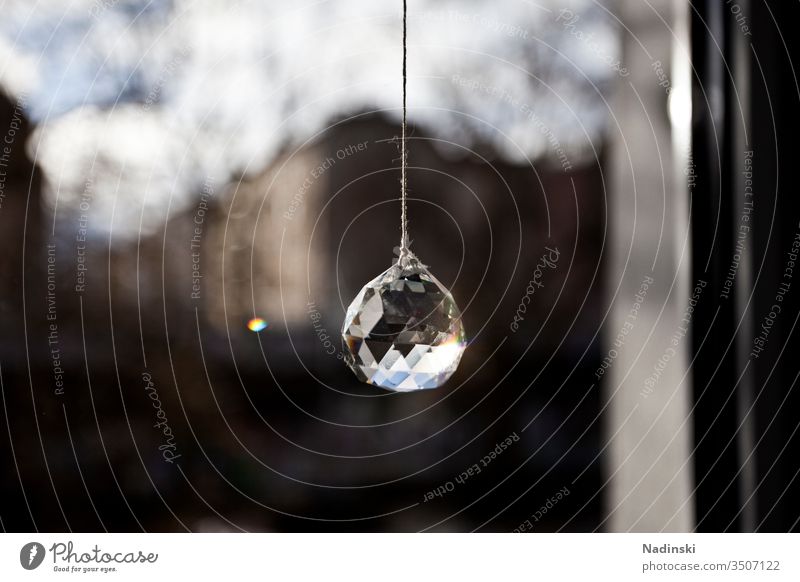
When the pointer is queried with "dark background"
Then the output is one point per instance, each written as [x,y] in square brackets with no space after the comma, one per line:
[271,432]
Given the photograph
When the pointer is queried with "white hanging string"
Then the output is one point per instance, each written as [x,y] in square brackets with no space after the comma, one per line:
[404,250]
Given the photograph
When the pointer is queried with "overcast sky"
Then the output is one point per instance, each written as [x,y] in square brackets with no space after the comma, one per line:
[147,99]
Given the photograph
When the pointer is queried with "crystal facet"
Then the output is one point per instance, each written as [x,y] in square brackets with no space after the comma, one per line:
[403,331]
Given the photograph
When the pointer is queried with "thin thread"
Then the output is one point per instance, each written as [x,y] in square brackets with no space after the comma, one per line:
[403,150]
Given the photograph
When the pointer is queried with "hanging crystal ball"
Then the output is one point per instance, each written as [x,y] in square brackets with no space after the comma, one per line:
[403,331]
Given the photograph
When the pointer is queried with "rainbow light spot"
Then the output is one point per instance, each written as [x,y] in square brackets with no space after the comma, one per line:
[257,324]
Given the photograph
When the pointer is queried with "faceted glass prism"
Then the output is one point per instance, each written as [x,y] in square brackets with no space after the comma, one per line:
[403,331]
